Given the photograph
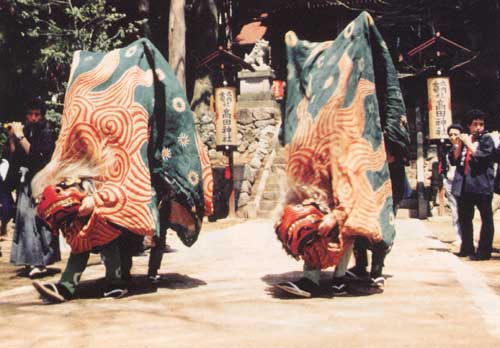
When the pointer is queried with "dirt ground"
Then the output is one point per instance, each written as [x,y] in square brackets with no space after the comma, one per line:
[14,276]
[443,231]
[219,293]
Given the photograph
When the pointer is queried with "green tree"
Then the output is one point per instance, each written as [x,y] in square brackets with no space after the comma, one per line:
[61,27]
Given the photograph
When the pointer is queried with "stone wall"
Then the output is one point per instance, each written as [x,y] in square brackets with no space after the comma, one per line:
[258,128]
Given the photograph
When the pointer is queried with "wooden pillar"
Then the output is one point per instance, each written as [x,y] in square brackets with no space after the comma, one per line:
[177,40]
[232,198]
[143,8]
[422,202]
[441,158]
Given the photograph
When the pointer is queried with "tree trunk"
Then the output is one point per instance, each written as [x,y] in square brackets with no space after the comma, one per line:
[177,40]
[143,7]
[204,42]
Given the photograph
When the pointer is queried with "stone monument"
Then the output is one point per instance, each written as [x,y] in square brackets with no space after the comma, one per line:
[259,119]
[256,85]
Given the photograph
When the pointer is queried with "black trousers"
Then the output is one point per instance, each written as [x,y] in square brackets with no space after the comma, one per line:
[379,250]
[466,203]
[157,251]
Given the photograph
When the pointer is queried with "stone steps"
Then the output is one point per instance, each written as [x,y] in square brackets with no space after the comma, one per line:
[273,195]
[275,186]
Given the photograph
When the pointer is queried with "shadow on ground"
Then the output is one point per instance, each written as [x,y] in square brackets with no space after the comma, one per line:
[24,272]
[356,288]
[139,285]
[442,250]
[495,254]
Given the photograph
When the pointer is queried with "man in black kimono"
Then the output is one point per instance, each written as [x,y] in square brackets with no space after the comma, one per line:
[33,244]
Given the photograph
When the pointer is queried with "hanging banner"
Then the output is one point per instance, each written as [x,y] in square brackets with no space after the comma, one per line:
[225,117]
[439,92]
[278,89]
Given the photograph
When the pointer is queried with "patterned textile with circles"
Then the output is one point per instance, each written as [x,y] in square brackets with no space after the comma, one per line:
[107,128]
[336,127]
[128,136]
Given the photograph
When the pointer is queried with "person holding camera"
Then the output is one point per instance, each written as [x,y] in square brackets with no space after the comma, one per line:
[473,155]
[31,145]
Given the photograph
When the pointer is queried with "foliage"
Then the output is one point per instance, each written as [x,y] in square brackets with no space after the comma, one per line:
[3,140]
[54,118]
[61,27]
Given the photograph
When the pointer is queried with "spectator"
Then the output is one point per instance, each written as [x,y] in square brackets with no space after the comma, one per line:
[32,144]
[473,155]
[454,131]
[6,202]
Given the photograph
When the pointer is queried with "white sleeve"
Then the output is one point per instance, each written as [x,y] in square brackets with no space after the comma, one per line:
[496,139]
[4,168]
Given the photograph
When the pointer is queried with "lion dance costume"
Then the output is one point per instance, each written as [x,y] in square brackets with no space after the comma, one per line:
[344,108]
[127,128]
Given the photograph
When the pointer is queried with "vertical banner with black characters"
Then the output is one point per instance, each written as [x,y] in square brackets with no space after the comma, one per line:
[439,92]
[225,113]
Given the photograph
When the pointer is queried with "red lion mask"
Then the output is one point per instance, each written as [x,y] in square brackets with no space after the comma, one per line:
[298,227]
[298,232]
[60,203]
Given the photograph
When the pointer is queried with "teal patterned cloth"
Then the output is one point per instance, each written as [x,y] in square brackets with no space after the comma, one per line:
[126,111]
[344,110]
[180,166]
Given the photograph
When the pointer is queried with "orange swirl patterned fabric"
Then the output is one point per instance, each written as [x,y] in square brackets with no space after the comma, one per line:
[334,128]
[125,111]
